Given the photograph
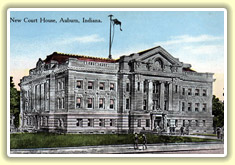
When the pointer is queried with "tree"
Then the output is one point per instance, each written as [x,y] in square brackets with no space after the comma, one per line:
[14,102]
[218,112]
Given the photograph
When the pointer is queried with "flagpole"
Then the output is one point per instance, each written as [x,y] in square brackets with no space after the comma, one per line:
[110,56]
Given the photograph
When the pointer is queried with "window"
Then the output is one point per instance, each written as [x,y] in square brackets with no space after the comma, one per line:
[204,92]
[111,106]
[189,106]
[176,88]
[59,85]
[183,91]
[101,103]
[101,86]
[204,123]
[204,107]
[145,104]
[197,91]
[138,86]
[197,107]
[90,123]
[112,122]
[111,86]
[176,123]
[183,123]
[127,87]
[139,123]
[145,85]
[127,103]
[90,85]
[78,103]
[90,103]
[79,84]
[79,123]
[189,91]
[183,106]
[197,123]
[189,123]
[165,105]
[147,122]
[62,103]
[101,122]
[59,103]
[155,104]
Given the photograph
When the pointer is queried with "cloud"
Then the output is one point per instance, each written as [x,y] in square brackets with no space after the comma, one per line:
[189,39]
[82,39]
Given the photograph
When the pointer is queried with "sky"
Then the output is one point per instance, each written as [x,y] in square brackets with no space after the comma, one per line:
[195,37]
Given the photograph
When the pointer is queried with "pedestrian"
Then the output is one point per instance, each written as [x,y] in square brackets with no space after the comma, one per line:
[144,142]
[136,142]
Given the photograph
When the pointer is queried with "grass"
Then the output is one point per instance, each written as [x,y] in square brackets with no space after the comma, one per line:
[49,140]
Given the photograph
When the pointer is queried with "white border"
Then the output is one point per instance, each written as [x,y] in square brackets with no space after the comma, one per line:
[117,9]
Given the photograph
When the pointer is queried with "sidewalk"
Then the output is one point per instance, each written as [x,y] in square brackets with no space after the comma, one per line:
[123,149]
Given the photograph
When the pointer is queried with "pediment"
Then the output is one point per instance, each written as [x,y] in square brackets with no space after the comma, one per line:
[158,55]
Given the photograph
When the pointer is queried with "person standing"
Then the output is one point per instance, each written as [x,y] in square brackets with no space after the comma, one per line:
[144,142]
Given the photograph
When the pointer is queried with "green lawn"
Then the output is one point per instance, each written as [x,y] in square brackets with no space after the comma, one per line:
[49,140]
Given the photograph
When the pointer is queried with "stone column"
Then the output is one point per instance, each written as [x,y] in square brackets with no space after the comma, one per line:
[170,96]
[162,88]
[150,96]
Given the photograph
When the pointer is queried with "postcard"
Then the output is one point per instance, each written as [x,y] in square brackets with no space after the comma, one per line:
[120,82]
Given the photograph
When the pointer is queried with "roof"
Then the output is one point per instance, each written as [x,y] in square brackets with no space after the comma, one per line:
[62,57]
[147,50]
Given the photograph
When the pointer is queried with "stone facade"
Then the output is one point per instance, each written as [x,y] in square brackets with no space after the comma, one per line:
[146,91]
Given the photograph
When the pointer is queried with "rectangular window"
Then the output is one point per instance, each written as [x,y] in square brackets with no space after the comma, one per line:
[112,86]
[127,103]
[139,123]
[78,104]
[204,107]
[101,103]
[59,103]
[197,107]
[197,91]
[127,87]
[204,92]
[176,88]
[183,123]
[145,104]
[79,123]
[101,86]
[112,122]
[62,103]
[189,106]
[101,122]
[189,123]
[90,122]
[204,123]
[90,103]
[147,122]
[183,91]
[189,91]
[138,86]
[145,85]
[90,85]
[197,123]
[79,84]
[111,106]
[176,123]
[183,106]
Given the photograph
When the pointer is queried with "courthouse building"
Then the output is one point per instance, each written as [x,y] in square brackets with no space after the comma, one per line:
[145,91]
